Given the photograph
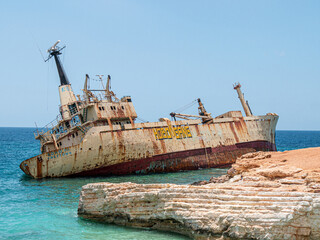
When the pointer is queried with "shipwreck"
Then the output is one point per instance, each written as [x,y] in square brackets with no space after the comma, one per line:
[97,134]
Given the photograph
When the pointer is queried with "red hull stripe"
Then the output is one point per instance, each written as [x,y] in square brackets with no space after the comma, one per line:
[221,156]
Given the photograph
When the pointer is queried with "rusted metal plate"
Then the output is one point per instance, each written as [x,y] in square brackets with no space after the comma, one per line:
[185,160]
[156,147]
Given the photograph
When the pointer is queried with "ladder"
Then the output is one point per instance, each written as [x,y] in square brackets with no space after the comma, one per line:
[85,114]
[82,129]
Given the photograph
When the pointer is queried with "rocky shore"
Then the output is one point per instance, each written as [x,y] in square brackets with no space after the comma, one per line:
[272,195]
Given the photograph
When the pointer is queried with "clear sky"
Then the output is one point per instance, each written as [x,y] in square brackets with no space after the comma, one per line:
[165,54]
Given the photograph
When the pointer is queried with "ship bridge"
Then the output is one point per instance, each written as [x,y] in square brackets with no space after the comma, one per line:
[79,113]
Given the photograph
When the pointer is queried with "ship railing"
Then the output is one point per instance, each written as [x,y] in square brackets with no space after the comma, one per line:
[45,131]
[96,97]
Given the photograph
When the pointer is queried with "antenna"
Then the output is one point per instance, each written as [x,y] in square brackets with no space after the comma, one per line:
[55,51]
[53,47]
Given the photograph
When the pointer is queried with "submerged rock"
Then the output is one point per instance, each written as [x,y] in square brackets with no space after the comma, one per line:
[267,198]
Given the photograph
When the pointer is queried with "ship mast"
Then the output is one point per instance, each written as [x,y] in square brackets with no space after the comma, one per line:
[203,114]
[108,94]
[55,51]
[68,99]
[244,103]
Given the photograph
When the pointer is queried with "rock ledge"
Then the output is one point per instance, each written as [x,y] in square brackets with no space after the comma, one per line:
[264,196]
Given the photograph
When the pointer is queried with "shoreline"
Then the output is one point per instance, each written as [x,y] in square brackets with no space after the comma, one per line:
[265,195]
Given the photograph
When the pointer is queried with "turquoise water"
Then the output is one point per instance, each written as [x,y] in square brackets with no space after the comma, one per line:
[47,209]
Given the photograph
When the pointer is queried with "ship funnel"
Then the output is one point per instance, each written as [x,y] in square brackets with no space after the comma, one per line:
[244,103]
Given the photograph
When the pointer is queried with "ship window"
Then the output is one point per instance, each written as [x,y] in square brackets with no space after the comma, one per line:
[72,108]
[122,107]
[76,133]
[102,108]
[67,124]
[111,107]
[73,135]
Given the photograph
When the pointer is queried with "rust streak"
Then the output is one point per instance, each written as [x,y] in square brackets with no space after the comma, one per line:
[153,140]
[199,135]
[39,167]
[110,124]
[97,110]
[163,146]
[120,113]
[234,133]
[244,126]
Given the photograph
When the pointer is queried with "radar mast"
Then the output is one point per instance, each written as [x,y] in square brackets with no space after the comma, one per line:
[55,51]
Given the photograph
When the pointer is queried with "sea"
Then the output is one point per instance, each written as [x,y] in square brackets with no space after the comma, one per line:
[47,208]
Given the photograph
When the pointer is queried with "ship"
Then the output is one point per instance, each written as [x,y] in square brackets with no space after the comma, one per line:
[99,135]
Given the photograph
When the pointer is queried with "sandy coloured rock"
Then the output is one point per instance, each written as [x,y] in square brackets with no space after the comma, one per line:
[265,198]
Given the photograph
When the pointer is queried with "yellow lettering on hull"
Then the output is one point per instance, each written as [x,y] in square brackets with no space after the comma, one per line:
[169,132]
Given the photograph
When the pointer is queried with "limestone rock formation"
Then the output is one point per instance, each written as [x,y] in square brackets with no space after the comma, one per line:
[264,196]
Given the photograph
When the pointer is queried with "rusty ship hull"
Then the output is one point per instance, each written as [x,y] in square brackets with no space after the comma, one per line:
[97,134]
[167,146]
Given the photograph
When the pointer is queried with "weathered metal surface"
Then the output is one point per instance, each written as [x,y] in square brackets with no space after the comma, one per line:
[153,147]
[98,135]
[186,160]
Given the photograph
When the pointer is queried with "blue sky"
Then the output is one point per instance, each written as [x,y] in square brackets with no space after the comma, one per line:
[165,54]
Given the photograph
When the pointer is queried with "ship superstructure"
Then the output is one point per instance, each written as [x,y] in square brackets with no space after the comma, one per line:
[97,135]
[78,115]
